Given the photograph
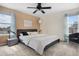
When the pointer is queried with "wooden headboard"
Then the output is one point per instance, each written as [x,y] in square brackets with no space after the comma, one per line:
[25,30]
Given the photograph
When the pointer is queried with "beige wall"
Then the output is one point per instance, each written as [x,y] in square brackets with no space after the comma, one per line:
[55,23]
[20,17]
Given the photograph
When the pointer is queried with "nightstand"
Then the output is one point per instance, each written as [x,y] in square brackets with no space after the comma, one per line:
[12,41]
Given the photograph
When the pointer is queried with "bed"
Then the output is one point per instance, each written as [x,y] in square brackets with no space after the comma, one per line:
[38,42]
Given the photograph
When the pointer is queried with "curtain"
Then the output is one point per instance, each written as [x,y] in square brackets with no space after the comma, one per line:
[13,26]
[66,30]
[78,23]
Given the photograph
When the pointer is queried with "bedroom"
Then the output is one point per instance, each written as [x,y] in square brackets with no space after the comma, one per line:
[22,19]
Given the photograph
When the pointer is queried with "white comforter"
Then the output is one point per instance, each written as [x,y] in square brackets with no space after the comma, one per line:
[38,42]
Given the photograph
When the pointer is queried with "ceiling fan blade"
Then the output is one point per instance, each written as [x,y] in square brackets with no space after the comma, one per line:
[32,7]
[35,11]
[42,11]
[45,7]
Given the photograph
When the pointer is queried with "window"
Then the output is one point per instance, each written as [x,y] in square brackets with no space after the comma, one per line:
[72,24]
[5,20]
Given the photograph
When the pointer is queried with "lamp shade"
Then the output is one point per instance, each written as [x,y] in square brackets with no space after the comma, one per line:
[40,21]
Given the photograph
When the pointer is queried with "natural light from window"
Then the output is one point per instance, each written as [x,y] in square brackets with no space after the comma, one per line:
[5,20]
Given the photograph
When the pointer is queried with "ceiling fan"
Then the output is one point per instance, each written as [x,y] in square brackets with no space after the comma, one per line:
[39,8]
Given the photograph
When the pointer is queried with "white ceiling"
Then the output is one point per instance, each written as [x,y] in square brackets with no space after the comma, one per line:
[56,7]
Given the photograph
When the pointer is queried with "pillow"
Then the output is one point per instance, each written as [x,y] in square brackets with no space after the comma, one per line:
[29,33]
[24,33]
[32,33]
[21,34]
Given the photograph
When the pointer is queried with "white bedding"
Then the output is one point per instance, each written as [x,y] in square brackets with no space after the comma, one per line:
[38,42]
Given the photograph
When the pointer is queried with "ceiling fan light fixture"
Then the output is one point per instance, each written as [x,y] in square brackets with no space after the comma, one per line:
[39,7]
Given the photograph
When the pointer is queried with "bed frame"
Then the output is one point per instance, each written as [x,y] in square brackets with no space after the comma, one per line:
[53,43]
[35,30]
